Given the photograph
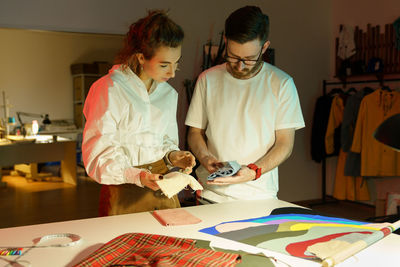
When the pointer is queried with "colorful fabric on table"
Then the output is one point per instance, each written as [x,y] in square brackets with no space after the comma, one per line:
[301,232]
[137,249]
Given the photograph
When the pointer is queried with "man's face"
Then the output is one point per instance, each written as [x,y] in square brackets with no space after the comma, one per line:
[244,60]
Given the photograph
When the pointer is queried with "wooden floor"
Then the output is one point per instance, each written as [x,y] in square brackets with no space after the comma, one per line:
[344,209]
[25,202]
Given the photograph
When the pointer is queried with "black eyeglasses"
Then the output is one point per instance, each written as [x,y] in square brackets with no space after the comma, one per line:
[248,62]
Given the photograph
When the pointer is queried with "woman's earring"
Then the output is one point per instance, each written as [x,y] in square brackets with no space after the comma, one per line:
[141,68]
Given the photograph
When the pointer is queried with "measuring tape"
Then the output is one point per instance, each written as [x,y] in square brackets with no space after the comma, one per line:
[75,240]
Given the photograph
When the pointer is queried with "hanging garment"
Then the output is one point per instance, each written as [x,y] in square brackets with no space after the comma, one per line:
[344,187]
[376,158]
[348,187]
[353,160]
[319,126]
[350,114]
[332,136]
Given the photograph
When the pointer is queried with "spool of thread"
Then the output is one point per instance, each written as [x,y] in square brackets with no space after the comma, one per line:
[11,252]
[35,127]
[11,120]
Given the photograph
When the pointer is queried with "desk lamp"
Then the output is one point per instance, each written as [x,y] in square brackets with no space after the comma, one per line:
[45,117]
[388,132]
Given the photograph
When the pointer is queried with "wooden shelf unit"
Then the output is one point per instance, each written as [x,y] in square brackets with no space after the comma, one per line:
[81,85]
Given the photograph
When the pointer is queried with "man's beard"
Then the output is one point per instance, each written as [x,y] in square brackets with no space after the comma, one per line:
[245,73]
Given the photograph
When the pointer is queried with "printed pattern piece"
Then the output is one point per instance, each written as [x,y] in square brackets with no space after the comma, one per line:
[301,232]
[137,249]
[230,168]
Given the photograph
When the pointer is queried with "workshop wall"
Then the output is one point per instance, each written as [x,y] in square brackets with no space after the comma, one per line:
[35,67]
[300,35]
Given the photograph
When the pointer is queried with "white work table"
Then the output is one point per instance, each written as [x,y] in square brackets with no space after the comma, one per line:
[97,231]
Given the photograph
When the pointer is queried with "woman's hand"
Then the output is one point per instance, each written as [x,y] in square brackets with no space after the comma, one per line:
[182,159]
[149,179]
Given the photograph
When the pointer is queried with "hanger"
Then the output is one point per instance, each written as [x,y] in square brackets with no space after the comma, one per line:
[382,83]
[351,91]
[368,89]
[335,91]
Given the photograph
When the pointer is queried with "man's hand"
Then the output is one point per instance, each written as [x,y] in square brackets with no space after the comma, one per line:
[149,179]
[182,159]
[210,163]
[243,175]
[197,143]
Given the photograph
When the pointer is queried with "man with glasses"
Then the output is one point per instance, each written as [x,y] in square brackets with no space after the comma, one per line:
[244,110]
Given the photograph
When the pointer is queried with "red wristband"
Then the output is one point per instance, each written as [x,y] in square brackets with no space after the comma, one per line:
[255,168]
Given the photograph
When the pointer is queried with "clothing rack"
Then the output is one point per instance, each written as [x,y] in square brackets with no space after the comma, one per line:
[325,84]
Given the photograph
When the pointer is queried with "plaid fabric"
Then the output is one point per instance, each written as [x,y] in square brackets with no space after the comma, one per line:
[136,249]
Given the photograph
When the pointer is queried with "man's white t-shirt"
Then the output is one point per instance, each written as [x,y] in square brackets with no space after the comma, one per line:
[240,118]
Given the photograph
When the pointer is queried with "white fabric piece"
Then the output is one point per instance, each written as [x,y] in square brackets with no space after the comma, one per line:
[174,182]
[347,45]
[240,118]
[326,249]
[126,126]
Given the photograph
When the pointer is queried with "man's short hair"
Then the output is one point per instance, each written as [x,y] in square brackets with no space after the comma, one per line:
[247,24]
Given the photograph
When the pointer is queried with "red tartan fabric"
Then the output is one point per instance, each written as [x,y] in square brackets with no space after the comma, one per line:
[136,249]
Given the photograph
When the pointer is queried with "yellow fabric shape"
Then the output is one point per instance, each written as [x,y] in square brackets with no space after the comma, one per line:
[324,250]
[306,226]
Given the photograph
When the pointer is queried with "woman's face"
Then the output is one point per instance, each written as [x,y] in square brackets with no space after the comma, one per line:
[162,66]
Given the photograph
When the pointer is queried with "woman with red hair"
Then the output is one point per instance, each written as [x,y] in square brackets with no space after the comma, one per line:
[131,136]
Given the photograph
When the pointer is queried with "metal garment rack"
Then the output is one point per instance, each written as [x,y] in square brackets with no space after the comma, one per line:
[325,84]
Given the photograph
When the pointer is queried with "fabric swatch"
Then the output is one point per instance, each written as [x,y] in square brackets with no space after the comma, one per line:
[174,182]
[173,217]
[230,168]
